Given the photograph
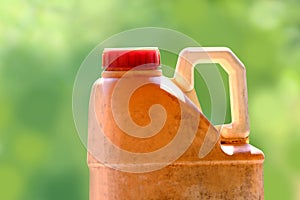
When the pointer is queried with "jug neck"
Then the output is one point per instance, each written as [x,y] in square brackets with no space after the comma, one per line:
[132,73]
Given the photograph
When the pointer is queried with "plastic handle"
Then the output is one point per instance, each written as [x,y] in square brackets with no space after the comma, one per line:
[184,75]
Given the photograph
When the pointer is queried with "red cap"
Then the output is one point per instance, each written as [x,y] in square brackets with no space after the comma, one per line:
[123,59]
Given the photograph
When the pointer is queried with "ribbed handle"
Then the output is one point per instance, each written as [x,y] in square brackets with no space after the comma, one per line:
[184,76]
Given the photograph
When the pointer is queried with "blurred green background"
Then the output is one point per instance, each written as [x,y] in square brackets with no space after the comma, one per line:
[44,42]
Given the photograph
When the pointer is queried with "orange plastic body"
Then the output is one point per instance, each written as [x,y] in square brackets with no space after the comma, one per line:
[228,171]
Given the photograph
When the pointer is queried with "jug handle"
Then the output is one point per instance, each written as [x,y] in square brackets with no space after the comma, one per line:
[238,129]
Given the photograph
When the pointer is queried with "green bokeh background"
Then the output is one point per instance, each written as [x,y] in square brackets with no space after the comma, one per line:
[42,44]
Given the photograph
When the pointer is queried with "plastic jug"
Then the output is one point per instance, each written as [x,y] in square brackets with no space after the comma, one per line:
[148,138]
